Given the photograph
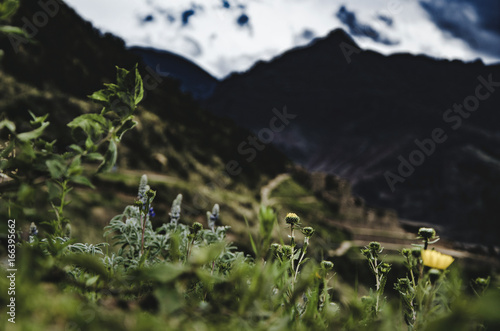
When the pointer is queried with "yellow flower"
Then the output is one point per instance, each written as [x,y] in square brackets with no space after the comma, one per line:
[436,260]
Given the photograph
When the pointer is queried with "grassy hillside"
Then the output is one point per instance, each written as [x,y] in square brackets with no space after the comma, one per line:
[174,273]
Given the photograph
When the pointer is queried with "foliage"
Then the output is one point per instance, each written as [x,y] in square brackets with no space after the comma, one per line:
[183,274]
[33,168]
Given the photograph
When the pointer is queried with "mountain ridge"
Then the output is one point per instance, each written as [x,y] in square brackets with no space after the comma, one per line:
[357,113]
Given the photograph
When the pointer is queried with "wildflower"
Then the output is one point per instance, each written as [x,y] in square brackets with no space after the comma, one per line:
[415,252]
[428,236]
[426,233]
[406,252]
[327,265]
[435,259]
[434,275]
[375,247]
[141,194]
[308,231]
[175,211]
[292,219]
[150,194]
[213,217]
[384,268]
[151,212]
[480,285]
[287,251]
[33,232]
[197,227]
[403,285]
[33,229]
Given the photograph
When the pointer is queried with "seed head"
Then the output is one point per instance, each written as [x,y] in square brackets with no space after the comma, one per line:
[197,227]
[292,219]
[426,233]
[308,231]
[327,265]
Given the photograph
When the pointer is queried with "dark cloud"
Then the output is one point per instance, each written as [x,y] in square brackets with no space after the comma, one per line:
[308,34]
[304,36]
[357,28]
[186,15]
[148,18]
[243,20]
[477,22]
[386,19]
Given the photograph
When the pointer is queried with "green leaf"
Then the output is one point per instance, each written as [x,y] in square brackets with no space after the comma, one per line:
[56,167]
[254,247]
[8,8]
[127,125]
[91,281]
[75,168]
[203,255]
[93,125]
[94,157]
[304,261]
[27,136]
[54,190]
[121,76]
[139,88]
[37,119]
[101,95]
[25,193]
[109,158]
[9,125]
[76,148]
[7,29]
[87,262]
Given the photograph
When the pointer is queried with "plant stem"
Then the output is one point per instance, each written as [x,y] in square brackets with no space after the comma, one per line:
[300,260]
[143,224]
[292,243]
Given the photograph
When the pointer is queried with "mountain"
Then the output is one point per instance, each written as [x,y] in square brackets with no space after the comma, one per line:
[183,148]
[193,79]
[227,36]
[365,116]
[180,146]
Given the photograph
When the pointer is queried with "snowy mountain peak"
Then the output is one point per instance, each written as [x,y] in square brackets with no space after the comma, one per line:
[225,36]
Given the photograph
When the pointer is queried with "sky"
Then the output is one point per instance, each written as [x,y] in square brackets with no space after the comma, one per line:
[223,36]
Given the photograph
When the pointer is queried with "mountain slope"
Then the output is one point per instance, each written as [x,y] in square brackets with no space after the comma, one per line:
[181,147]
[356,115]
[193,79]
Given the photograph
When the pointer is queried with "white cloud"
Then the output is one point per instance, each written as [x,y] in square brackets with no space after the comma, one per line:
[214,41]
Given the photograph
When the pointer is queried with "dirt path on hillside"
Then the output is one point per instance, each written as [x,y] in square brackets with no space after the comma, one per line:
[265,191]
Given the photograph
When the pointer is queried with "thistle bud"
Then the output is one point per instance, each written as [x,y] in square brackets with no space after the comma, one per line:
[327,265]
[308,231]
[384,268]
[197,227]
[416,252]
[434,275]
[150,193]
[375,247]
[287,251]
[292,219]
[403,285]
[406,252]
[426,233]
